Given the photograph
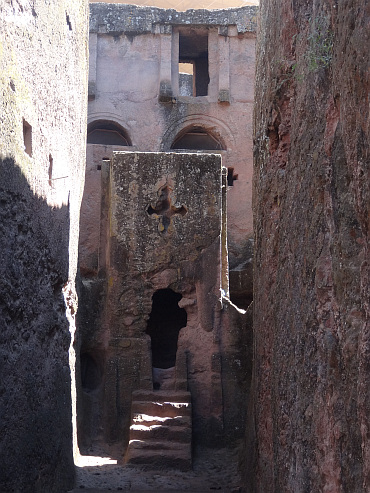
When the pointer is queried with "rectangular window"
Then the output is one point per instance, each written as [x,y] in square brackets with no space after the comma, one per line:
[186,79]
[193,51]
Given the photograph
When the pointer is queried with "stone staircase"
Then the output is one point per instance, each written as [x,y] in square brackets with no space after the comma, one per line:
[160,431]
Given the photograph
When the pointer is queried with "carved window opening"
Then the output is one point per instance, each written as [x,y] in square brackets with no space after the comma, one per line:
[107,133]
[231,177]
[193,49]
[27,137]
[197,139]
[164,324]
[50,172]
[186,79]
[68,21]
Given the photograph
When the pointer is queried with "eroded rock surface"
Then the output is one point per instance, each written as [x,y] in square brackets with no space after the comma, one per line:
[42,150]
[311,297]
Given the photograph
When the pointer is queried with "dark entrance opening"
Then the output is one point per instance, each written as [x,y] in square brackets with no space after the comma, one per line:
[193,49]
[164,324]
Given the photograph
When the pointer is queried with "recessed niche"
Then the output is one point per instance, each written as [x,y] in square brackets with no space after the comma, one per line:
[27,137]
[69,24]
[197,139]
[107,133]
[50,172]
[90,372]
[231,177]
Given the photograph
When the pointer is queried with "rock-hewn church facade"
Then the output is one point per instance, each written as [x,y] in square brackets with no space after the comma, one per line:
[166,223]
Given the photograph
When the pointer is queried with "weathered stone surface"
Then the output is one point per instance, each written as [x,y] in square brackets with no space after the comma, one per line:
[164,228]
[165,215]
[42,151]
[160,222]
[143,44]
[116,18]
[160,431]
[311,207]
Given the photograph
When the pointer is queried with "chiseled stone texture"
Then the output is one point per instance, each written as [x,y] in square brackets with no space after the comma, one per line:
[120,18]
[143,253]
[146,254]
[194,192]
[311,279]
[43,80]
[139,253]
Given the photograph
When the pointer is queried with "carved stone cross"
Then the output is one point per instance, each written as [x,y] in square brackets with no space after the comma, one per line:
[164,209]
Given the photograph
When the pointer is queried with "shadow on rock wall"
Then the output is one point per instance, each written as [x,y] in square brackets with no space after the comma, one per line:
[35,395]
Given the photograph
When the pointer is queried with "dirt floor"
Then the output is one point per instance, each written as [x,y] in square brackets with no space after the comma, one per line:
[213,470]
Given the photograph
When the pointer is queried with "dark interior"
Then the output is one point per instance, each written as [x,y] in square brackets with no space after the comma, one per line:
[164,324]
[197,139]
[193,48]
[107,133]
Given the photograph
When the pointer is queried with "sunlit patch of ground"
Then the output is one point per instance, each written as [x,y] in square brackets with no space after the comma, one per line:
[91,460]
[213,470]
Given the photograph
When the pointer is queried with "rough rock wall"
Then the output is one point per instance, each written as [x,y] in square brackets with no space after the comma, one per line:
[43,87]
[311,291]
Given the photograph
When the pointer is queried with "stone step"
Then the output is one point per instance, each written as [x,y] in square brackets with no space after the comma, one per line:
[159,445]
[148,420]
[161,395]
[161,409]
[163,456]
[161,432]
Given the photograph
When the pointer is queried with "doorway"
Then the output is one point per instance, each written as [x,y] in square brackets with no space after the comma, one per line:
[164,324]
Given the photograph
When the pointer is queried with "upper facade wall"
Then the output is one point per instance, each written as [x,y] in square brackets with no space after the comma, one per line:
[135,51]
[118,18]
[133,65]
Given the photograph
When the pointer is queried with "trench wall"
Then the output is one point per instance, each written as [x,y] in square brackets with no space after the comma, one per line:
[311,218]
[43,87]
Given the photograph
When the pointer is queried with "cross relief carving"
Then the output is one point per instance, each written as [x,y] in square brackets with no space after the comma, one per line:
[164,209]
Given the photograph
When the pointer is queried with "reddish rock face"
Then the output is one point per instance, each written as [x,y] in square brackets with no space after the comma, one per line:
[311,297]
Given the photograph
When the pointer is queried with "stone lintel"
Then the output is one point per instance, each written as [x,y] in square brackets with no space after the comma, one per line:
[135,20]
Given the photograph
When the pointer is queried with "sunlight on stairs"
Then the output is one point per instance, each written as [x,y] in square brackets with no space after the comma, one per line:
[160,431]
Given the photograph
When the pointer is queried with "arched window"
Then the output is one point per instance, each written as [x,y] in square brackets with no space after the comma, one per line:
[197,139]
[107,133]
